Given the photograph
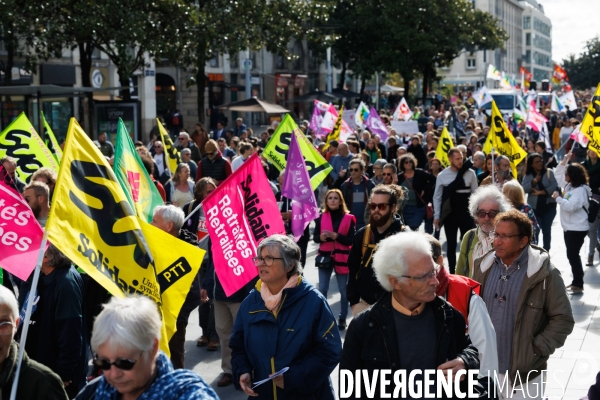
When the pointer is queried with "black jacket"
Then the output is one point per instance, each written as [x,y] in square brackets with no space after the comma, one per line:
[419,154]
[371,341]
[56,335]
[345,185]
[423,183]
[362,282]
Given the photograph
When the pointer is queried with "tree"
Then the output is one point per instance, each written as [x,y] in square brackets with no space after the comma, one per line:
[225,26]
[584,71]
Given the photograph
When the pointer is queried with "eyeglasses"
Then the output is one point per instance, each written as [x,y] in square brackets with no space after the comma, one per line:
[493,235]
[491,214]
[379,206]
[423,278]
[182,138]
[122,363]
[354,169]
[377,168]
[6,328]
[268,260]
[209,153]
[387,174]
[407,162]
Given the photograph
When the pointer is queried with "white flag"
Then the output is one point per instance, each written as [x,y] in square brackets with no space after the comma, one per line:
[568,99]
[361,114]
[403,112]
[482,96]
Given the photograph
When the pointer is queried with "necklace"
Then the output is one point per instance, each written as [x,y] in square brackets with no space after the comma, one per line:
[504,277]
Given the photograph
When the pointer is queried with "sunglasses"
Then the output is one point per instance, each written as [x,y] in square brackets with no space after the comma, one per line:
[209,154]
[122,363]
[387,174]
[491,214]
[378,206]
[354,169]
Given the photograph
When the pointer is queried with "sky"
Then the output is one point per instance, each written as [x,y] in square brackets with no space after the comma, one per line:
[572,25]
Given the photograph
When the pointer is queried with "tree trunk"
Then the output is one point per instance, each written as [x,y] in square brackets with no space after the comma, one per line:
[124,81]
[362,86]
[425,83]
[10,61]
[85,60]
[406,87]
[340,84]
[201,83]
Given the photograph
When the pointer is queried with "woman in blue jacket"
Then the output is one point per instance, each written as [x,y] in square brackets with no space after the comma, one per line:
[284,324]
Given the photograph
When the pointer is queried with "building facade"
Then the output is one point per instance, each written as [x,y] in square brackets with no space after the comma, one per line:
[468,71]
[537,40]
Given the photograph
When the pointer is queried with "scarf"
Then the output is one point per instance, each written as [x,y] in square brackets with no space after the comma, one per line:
[442,277]
[481,247]
[169,384]
[272,300]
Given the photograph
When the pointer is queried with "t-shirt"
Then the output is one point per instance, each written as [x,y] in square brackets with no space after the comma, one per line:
[159,160]
[182,198]
[358,204]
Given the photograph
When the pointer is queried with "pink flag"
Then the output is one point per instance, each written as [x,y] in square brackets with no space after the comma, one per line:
[376,126]
[239,214]
[296,186]
[534,118]
[20,233]
[315,121]
[579,137]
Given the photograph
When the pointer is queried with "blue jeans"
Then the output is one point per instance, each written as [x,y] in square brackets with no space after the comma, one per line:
[545,223]
[413,216]
[342,281]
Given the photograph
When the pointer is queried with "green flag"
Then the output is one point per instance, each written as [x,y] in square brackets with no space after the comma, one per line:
[277,151]
[50,141]
[137,184]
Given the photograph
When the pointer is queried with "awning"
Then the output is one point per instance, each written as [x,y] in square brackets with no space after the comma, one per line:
[50,90]
[255,105]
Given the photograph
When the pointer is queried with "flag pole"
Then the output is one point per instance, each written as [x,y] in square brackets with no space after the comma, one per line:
[30,300]
[199,206]
[492,165]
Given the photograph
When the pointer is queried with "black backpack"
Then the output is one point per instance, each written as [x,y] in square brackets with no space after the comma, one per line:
[593,209]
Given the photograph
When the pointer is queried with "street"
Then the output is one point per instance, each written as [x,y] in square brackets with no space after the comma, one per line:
[571,369]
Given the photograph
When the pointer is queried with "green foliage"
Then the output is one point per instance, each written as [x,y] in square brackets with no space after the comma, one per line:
[584,71]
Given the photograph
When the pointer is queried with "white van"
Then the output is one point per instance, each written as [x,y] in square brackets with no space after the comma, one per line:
[506,101]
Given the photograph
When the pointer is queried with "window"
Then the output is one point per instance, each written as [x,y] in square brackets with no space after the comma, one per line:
[214,62]
[541,27]
[96,54]
[471,63]
[527,22]
[234,62]
[528,39]
[279,61]
[527,58]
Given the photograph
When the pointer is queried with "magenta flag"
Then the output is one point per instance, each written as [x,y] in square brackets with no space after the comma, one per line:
[315,121]
[20,233]
[296,186]
[239,214]
[376,125]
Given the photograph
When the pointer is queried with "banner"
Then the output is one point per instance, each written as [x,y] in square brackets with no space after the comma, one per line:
[503,141]
[277,149]
[402,112]
[20,141]
[92,223]
[568,100]
[323,107]
[315,121]
[141,192]
[349,118]
[444,145]
[493,73]
[558,74]
[172,154]
[535,120]
[296,186]
[589,127]
[20,233]
[239,214]
[557,105]
[579,137]
[409,127]
[50,141]
[361,115]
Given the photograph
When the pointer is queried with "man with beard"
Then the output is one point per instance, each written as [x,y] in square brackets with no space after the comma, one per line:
[453,187]
[37,195]
[363,288]
[502,172]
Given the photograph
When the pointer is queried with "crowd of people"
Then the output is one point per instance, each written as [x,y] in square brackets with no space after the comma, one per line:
[502,290]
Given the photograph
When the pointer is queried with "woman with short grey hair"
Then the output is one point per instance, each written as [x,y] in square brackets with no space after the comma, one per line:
[484,204]
[125,342]
[284,325]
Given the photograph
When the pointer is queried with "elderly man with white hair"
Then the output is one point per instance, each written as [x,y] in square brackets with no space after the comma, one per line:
[487,202]
[36,381]
[409,328]
[125,343]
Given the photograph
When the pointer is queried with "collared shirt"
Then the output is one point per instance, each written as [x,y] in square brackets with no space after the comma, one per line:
[403,310]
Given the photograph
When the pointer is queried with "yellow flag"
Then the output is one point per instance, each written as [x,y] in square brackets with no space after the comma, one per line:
[335,133]
[277,149]
[92,222]
[444,145]
[172,154]
[502,141]
[590,126]
[20,141]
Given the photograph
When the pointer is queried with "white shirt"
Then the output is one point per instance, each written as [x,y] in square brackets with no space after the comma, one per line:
[445,178]
[237,162]
[159,159]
